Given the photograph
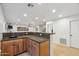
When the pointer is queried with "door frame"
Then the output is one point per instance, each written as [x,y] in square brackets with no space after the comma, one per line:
[70,30]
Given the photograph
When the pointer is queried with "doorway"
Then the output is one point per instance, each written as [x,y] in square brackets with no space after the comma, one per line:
[74,31]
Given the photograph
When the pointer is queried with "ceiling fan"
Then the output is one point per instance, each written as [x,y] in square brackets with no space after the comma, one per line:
[30,5]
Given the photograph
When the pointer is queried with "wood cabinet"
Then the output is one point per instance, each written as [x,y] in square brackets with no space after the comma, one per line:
[38,48]
[25,45]
[29,45]
[20,43]
[0,48]
[7,48]
[13,47]
[17,46]
[44,48]
[35,48]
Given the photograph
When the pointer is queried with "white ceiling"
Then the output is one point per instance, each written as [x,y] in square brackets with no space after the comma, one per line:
[14,12]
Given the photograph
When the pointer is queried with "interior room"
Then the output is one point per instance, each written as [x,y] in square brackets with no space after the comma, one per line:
[39,29]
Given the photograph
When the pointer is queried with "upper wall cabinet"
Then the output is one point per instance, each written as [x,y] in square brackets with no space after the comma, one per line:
[22,29]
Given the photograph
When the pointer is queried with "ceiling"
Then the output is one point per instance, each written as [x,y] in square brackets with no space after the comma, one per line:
[14,12]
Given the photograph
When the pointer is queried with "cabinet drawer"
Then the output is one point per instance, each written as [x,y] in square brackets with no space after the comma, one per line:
[35,43]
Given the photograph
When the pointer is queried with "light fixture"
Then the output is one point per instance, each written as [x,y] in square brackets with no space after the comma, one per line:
[25,15]
[36,17]
[53,10]
[30,5]
[60,15]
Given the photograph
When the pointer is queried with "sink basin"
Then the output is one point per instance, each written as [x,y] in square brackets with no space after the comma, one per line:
[13,37]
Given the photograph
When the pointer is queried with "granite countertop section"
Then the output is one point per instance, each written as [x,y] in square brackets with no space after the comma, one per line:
[35,38]
[32,37]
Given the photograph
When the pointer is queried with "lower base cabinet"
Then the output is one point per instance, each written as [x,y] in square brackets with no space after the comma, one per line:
[25,45]
[7,48]
[38,49]
[13,47]
[29,46]
[44,49]
[20,43]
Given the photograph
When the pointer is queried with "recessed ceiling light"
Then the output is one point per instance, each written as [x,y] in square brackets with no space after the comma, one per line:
[25,15]
[36,17]
[53,10]
[60,15]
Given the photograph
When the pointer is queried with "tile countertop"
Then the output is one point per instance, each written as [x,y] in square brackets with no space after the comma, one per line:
[35,38]
[32,37]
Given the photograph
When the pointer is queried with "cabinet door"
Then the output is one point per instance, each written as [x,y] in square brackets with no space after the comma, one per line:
[20,42]
[16,47]
[35,48]
[0,48]
[7,48]
[44,48]
[29,46]
[25,45]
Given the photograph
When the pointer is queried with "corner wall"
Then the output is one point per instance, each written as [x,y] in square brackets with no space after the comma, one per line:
[2,22]
[61,29]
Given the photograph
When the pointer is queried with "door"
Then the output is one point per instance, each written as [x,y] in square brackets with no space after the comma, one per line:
[75,34]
